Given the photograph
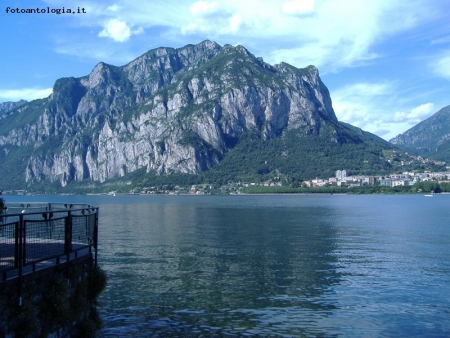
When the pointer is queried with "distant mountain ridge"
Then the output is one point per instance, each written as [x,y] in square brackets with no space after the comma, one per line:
[184,111]
[429,138]
[8,106]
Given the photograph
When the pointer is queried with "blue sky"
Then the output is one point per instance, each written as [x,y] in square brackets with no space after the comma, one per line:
[385,62]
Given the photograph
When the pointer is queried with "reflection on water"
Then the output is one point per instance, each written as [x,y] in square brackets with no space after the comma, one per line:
[277,265]
[215,268]
[351,266]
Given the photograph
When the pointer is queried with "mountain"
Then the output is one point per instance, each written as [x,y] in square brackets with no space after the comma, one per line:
[8,106]
[430,138]
[201,109]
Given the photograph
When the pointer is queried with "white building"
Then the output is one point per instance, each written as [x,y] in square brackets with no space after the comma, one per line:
[341,175]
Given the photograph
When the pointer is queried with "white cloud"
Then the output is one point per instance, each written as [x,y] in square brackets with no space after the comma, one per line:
[422,112]
[441,41]
[118,30]
[138,31]
[412,116]
[114,8]
[24,94]
[109,52]
[441,66]
[337,35]
[203,7]
[297,7]
[235,22]
[212,19]
[354,103]
[365,89]
[372,107]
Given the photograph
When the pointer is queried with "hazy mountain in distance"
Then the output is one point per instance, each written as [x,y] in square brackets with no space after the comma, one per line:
[430,138]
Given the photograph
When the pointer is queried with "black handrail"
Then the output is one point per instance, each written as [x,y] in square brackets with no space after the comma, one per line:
[31,233]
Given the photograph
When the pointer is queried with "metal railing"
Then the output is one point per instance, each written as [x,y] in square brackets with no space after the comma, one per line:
[40,235]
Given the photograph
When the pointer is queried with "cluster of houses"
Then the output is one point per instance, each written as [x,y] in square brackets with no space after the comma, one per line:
[407,178]
[341,180]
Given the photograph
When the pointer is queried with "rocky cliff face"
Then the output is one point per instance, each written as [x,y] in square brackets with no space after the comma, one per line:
[429,138]
[8,106]
[169,110]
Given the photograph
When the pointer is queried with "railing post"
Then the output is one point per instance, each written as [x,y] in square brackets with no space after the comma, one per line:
[20,256]
[68,234]
[17,243]
[68,240]
[96,237]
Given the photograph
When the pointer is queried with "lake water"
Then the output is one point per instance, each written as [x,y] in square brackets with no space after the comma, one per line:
[281,265]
